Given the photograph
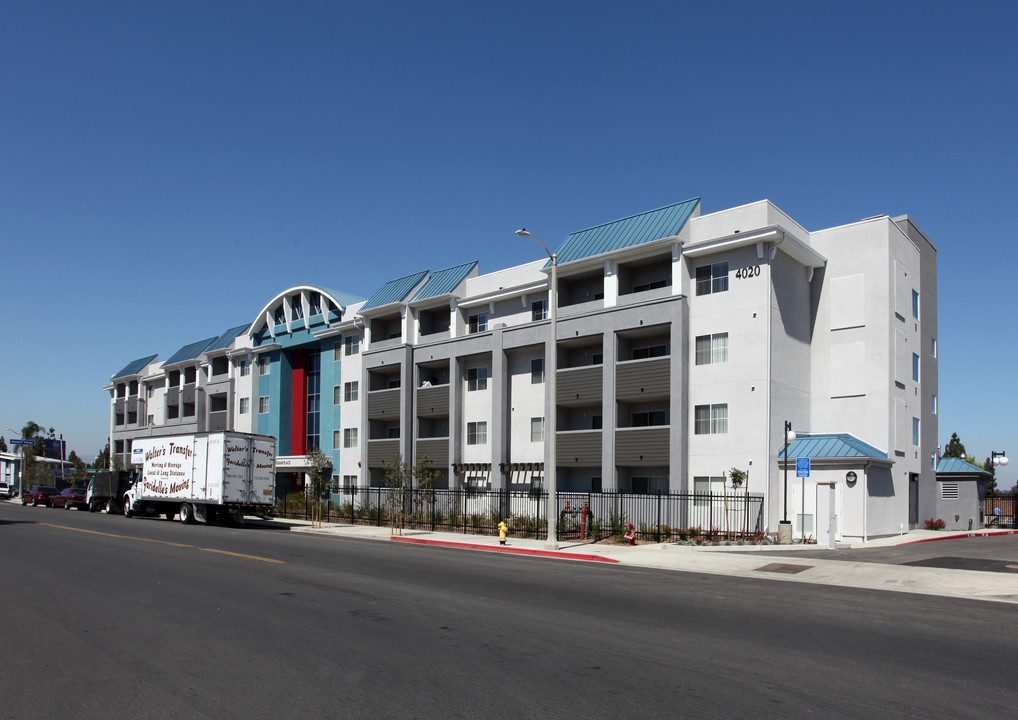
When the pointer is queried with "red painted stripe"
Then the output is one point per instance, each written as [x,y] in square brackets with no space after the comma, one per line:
[963,535]
[502,549]
[298,403]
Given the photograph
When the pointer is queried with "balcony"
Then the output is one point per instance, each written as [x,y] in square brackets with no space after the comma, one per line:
[382,451]
[578,447]
[383,404]
[643,379]
[642,445]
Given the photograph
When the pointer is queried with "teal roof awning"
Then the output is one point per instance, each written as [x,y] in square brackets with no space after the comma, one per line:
[957,465]
[343,298]
[628,232]
[133,368]
[841,445]
[394,291]
[223,341]
[444,282]
[189,352]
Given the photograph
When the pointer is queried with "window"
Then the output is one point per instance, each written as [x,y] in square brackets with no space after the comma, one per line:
[653,285]
[933,347]
[915,367]
[393,433]
[297,308]
[915,304]
[536,429]
[189,409]
[263,404]
[350,437]
[151,420]
[172,412]
[915,431]
[704,485]
[279,316]
[650,352]
[649,485]
[352,344]
[477,379]
[476,484]
[539,310]
[351,391]
[245,368]
[933,404]
[596,422]
[537,371]
[337,350]
[712,349]
[315,303]
[712,278]
[652,417]
[710,419]
[337,438]
[337,394]
[477,433]
[349,484]
[245,405]
[313,385]
[174,378]
[263,366]
[477,323]
[190,376]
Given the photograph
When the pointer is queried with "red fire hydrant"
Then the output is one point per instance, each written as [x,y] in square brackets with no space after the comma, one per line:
[630,535]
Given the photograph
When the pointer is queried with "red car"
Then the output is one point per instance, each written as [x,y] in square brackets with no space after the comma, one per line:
[68,498]
[38,495]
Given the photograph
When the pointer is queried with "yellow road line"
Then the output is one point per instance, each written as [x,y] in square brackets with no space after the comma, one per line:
[162,542]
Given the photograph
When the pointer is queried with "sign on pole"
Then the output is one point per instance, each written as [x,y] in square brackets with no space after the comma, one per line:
[802,467]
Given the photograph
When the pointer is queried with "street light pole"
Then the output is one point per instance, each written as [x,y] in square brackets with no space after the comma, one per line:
[785,527]
[551,383]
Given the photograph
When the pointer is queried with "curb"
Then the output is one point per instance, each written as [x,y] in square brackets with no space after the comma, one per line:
[501,549]
[960,536]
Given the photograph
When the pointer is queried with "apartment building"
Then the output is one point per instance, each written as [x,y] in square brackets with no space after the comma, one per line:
[685,342]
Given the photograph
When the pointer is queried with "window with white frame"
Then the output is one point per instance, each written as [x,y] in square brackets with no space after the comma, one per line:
[245,405]
[477,433]
[351,391]
[337,394]
[349,437]
[539,310]
[337,350]
[536,429]
[476,484]
[349,484]
[710,419]
[477,379]
[263,404]
[477,323]
[712,278]
[704,486]
[245,368]
[263,366]
[337,439]
[351,344]
[712,349]
[537,371]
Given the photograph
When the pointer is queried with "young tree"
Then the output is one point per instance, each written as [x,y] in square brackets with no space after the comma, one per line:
[102,458]
[398,476]
[321,468]
[425,476]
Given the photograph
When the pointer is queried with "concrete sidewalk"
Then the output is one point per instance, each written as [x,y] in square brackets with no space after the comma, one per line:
[733,560]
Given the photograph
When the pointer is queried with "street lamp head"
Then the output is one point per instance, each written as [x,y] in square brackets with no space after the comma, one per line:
[522,232]
[1002,461]
[790,436]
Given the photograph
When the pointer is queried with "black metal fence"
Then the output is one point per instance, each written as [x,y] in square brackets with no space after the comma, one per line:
[999,511]
[594,516]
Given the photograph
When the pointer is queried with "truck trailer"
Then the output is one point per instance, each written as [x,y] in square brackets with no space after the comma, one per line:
[204,476]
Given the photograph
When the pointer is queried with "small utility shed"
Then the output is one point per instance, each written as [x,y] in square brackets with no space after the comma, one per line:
[848,476]
[961,490]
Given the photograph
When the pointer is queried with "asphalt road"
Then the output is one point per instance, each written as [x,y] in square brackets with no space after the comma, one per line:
[115,617]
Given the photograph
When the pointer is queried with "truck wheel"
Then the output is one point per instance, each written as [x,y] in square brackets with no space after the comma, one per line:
[111,509]
[186,513]
[127,507]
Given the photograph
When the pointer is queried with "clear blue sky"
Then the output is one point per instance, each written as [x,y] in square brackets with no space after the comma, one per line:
[167,168]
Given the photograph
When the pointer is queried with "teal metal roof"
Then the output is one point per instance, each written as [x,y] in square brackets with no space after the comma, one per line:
[444,282]
[628,232]
[343,298]
[957,465]
[840,445]
[135,367]
[394,291]
[223,341]
[190,352]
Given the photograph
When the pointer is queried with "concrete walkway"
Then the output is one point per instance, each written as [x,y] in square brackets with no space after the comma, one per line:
[775,562]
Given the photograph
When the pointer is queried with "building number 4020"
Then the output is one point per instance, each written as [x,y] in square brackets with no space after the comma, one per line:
[747,272]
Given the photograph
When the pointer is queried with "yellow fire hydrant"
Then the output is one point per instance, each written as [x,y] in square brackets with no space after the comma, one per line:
[503,530]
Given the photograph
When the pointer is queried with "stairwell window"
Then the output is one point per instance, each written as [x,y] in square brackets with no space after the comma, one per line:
[477,433]
[710,419]
[712,349]
[712,278]
[350,437]
[477,379]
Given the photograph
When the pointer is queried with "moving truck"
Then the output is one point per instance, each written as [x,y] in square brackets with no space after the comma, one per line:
[105,490]
[204,476]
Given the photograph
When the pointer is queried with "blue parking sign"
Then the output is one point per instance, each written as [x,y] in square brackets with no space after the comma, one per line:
[802,467]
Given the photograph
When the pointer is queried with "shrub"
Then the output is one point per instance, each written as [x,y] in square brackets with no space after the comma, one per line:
[937,524]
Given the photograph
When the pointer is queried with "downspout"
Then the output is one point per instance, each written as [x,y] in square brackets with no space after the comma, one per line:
[865,496]
[770,378]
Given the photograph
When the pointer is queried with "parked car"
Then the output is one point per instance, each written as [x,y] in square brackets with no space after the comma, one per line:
[68,498]
[38,495]
[6,490]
